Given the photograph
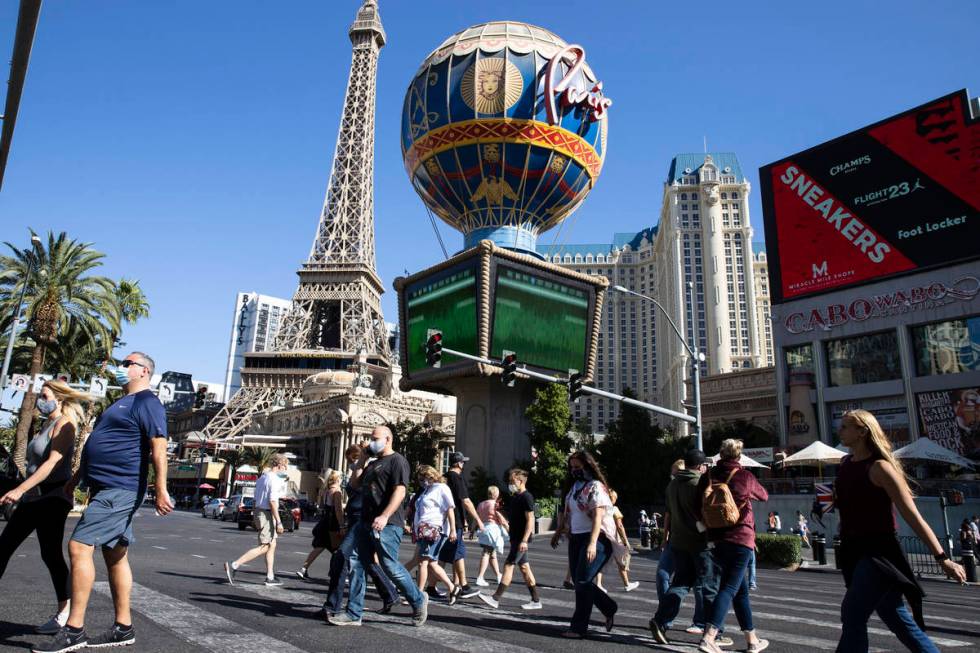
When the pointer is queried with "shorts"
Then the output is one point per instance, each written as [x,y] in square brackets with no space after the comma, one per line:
[108,520]
[515,556]
[430,550]
[454,551]
[266,528]
[489,550]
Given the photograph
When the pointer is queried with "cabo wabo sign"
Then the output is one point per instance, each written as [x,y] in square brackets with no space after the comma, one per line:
[881,305]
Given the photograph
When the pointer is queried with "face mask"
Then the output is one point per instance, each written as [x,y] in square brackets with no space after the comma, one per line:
[120,374]
[46,406]
[427,484]
[512,488]
[377,446]
[578,474]
[282,475]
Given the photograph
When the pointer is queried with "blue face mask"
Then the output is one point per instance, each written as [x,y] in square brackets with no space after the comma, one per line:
[377,446]
[119,374]
[46,406]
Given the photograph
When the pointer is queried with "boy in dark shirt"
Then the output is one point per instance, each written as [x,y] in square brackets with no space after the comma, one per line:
[520,526]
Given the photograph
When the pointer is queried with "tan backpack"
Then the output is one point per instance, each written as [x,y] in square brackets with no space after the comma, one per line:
[718,507]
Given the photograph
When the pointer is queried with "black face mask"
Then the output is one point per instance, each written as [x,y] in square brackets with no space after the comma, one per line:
[578,474]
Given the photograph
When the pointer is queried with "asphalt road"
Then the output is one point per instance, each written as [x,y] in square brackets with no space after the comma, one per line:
[182,603]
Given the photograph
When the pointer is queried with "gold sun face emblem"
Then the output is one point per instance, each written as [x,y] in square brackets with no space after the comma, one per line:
[557,164]
[492,85]
[491,153]
[432,167]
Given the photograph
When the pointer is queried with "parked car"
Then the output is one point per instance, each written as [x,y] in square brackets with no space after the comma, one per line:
[242,509]
[293,506]
[236,506]
[213,508]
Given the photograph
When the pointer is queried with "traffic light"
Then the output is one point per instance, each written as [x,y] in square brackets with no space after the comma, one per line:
[574,385]
[433,348]
[509,363]
[201,396]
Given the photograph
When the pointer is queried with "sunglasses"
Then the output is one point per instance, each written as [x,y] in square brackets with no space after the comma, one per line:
[128,363]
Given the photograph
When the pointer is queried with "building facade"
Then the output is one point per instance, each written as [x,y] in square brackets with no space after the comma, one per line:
[254,327]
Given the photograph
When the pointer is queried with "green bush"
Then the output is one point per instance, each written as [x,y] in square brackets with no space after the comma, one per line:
[780,550]
[546,507]
[656,537]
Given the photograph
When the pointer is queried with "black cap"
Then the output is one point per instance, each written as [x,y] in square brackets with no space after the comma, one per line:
[694,458]
[457,457]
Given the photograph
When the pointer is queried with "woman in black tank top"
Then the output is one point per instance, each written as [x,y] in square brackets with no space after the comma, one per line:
[870,486]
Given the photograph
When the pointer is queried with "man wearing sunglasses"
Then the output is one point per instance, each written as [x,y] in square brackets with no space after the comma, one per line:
[115,467]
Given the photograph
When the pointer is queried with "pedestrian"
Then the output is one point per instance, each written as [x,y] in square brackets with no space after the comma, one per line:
[692,563]
[269,489]
[115,466]
[870,485]
[727,493]
[341,559]
[968,541]
[975,527]
[434,525]
[622,564]
[665,564]
[492,537]
[771,523]
[520,526]
[454,550]
[43,506]
[802,529]
[384,482]
[645,528]
[592,541]
[327,532]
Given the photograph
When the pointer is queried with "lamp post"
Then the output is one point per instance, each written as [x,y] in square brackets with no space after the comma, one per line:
[696,356]
[35,243]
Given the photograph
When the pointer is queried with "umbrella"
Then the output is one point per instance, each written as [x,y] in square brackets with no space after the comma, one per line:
[205,486]
[929,451]
[744,461]
[817,454]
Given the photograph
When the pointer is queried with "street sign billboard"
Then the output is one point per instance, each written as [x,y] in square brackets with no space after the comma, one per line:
[896,197]
[97,386]
[166,392]
[20,381]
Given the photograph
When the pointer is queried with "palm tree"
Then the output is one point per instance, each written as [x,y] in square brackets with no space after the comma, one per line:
[131,305]
[259,457]
[234,458]
[60,291]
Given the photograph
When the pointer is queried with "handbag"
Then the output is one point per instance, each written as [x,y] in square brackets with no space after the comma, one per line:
[428,532]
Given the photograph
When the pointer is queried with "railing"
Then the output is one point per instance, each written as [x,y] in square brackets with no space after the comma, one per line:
[920,558]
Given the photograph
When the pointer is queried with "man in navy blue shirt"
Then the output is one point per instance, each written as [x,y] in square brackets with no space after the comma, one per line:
[115,466]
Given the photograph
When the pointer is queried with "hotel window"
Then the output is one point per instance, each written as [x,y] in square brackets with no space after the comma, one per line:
[947,347]
[863,359]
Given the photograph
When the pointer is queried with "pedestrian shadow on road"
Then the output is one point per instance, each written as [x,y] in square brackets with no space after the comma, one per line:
[9,631]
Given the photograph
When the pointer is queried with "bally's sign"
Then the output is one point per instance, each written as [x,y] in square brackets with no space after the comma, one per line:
[881,305]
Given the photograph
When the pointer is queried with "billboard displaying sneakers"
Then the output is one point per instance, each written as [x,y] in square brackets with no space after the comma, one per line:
[899,196]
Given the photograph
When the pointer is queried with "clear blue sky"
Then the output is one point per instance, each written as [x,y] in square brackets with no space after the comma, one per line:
[192,141]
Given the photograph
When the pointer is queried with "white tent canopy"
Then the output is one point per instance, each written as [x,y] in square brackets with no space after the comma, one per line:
[817,453]
[744,461]
[928,450]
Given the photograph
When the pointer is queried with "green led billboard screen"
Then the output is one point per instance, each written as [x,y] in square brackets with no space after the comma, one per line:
[544,320]
[444,301]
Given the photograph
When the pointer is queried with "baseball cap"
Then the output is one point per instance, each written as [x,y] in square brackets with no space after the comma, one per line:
[457,457]
[693,458]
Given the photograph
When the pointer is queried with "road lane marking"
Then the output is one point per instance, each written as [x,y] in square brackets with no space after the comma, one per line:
[199,627]
[162,548]
[197,556]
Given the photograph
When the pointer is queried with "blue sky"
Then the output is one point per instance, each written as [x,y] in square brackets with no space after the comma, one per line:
[192,141]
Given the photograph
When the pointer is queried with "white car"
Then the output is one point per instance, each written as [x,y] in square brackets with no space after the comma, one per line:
[213,508]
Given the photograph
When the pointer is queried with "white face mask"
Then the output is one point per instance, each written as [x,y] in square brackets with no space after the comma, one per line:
[377,446]
[512,488]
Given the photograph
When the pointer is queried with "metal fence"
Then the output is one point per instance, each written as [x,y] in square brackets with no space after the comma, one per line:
[920,558]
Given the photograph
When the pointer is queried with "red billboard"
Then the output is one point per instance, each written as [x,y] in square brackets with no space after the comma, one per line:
[899,196]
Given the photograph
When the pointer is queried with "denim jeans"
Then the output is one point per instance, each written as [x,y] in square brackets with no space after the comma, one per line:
[733,590]
[385,544]
[587,593]
[752,569]
[665,569]
[871,591]
[340,567]
[691,571]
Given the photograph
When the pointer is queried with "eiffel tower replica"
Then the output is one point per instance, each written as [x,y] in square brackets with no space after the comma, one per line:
[335,321]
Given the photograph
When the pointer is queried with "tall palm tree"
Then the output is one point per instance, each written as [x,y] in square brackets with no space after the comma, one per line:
[131,305]
[60,291]
[259,457]
[234,458]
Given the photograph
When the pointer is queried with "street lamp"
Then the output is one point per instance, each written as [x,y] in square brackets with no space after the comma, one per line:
[696,357]
[35,243]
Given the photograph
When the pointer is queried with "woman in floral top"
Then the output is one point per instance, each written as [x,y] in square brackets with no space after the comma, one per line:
[592,541]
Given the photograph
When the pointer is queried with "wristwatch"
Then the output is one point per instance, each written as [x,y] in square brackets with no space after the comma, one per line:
[941,556]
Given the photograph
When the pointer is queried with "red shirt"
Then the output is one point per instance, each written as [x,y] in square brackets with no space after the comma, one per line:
[745,489]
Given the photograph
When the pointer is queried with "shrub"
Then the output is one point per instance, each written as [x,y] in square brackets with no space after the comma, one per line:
[780,550]
[546,507]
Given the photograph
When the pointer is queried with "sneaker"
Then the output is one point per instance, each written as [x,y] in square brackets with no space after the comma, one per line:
[489,600]
[721,640]
[705,647]
[658,632]
[482,583]
[386,608]
[343,620]
[530,605]
[694,629]
[468,592]
[434,593]
[759,646]
[230,573]
[62,642]
[303,574]
[753,587]
[53,625]
[421,613]
[272,582]
[113,637]
[632,586]
[454,594]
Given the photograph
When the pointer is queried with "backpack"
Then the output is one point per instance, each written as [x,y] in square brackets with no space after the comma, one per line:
[718,507]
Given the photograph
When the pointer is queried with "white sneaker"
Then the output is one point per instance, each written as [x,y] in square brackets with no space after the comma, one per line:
[632,586]
[531,605]
[480,582]
[52,625]
[694,629]
[489,600]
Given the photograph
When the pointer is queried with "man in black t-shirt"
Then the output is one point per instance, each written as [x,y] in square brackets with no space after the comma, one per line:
[520,526]
[455,552]
[383,484]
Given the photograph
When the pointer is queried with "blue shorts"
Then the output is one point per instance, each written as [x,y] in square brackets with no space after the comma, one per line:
[108,520]
[430,550]
[454,551]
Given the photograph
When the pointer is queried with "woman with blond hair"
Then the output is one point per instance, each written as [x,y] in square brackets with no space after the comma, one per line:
[329,531]
[433,526]
[43,505]
[870,485]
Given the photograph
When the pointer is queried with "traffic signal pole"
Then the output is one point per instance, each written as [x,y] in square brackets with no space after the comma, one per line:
[586,389]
